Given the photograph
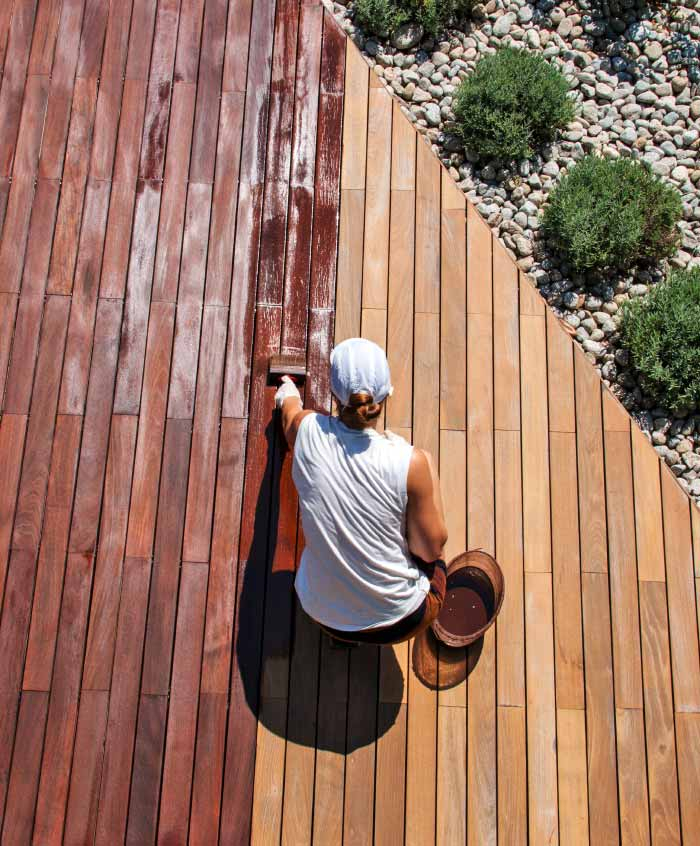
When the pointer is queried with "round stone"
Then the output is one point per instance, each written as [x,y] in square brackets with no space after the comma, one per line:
[407,36]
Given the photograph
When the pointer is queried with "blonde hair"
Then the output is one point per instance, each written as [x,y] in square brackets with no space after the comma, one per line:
[360,410]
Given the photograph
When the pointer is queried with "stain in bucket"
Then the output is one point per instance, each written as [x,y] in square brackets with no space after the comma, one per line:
[469,602]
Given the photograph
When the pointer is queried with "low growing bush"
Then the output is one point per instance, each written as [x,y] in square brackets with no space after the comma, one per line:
[662,333]
[383,17]
[611,214]
[511,103]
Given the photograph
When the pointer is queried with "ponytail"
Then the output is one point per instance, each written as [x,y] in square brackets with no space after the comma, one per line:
[360,410]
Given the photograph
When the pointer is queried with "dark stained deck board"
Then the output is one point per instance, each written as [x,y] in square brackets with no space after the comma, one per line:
[158,682]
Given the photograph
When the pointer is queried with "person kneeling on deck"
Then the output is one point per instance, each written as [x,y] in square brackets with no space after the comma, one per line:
[372,568]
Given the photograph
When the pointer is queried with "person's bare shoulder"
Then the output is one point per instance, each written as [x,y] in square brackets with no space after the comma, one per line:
[419,481]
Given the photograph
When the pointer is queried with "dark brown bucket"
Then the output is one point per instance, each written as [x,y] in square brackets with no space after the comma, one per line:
[473,598]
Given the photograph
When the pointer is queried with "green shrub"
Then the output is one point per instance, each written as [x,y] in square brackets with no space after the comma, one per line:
[512,102]
[382,17]
[662,333]
[611,214]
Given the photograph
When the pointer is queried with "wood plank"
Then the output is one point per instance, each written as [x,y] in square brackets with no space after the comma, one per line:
[63,702]
[297,279]
[479,264]
[560,376]
[451,776]
[427,237]
[623,570]
[208,769]
[695,521]
[453,481]
[453,324]
[76,367]
[632,776]
[543,812]
[26,763]
[355,128]
[566,566]
[324,249]
[132,347]
[510,629]
[117,241]
[189,40]
[182,714]
[64,89]
[172,218]
[480,449]
[20,373]
[389,803]
[128,151]
[400,321]
[269,772]
[92,38]
[647,508]
[306,96]
[209,76]
[13,428]
[482,780]
[35,467]
[146,776]
[531,302]
[110,92]
[506,341]
[658,710]
[216,658]
[688,734]
[106,593]
[200,509]
[31,127]
[298,803]
[5,20]
[123,704]
[13,635]
[257,92]
[572,776]
[350,251]
[358,820]
[73,185]
[93,450]
[330,744]
[681,606]
[52,555]
[512,776]
[535,445]
[149,445]
[84,793]
[140,40]
[600,710]
[615,417]
[8,312]
[14,77]
[426,383]
[225,201]
[403,152]
[237,41]
[591,480]
[240,335]
[41,231]
[166,572]
[44,39]
[14,233]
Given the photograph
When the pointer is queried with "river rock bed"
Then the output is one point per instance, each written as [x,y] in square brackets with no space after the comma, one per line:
[634,72]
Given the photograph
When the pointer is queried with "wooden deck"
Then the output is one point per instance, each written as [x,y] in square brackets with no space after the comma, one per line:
[187,186]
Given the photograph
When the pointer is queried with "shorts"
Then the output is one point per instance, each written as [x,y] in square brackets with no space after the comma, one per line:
[413,623]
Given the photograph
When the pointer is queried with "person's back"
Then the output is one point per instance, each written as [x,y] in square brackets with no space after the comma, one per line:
[356,570]
[372,568]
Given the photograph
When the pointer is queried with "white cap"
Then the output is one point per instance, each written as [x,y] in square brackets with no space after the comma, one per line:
[360,366]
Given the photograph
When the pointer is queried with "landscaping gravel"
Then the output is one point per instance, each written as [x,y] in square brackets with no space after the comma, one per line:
[635,76]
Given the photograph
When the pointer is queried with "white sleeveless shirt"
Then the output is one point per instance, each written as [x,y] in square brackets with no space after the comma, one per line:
[356,571]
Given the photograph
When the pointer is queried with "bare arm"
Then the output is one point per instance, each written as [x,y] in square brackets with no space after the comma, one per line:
[292,413]
[425,519]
